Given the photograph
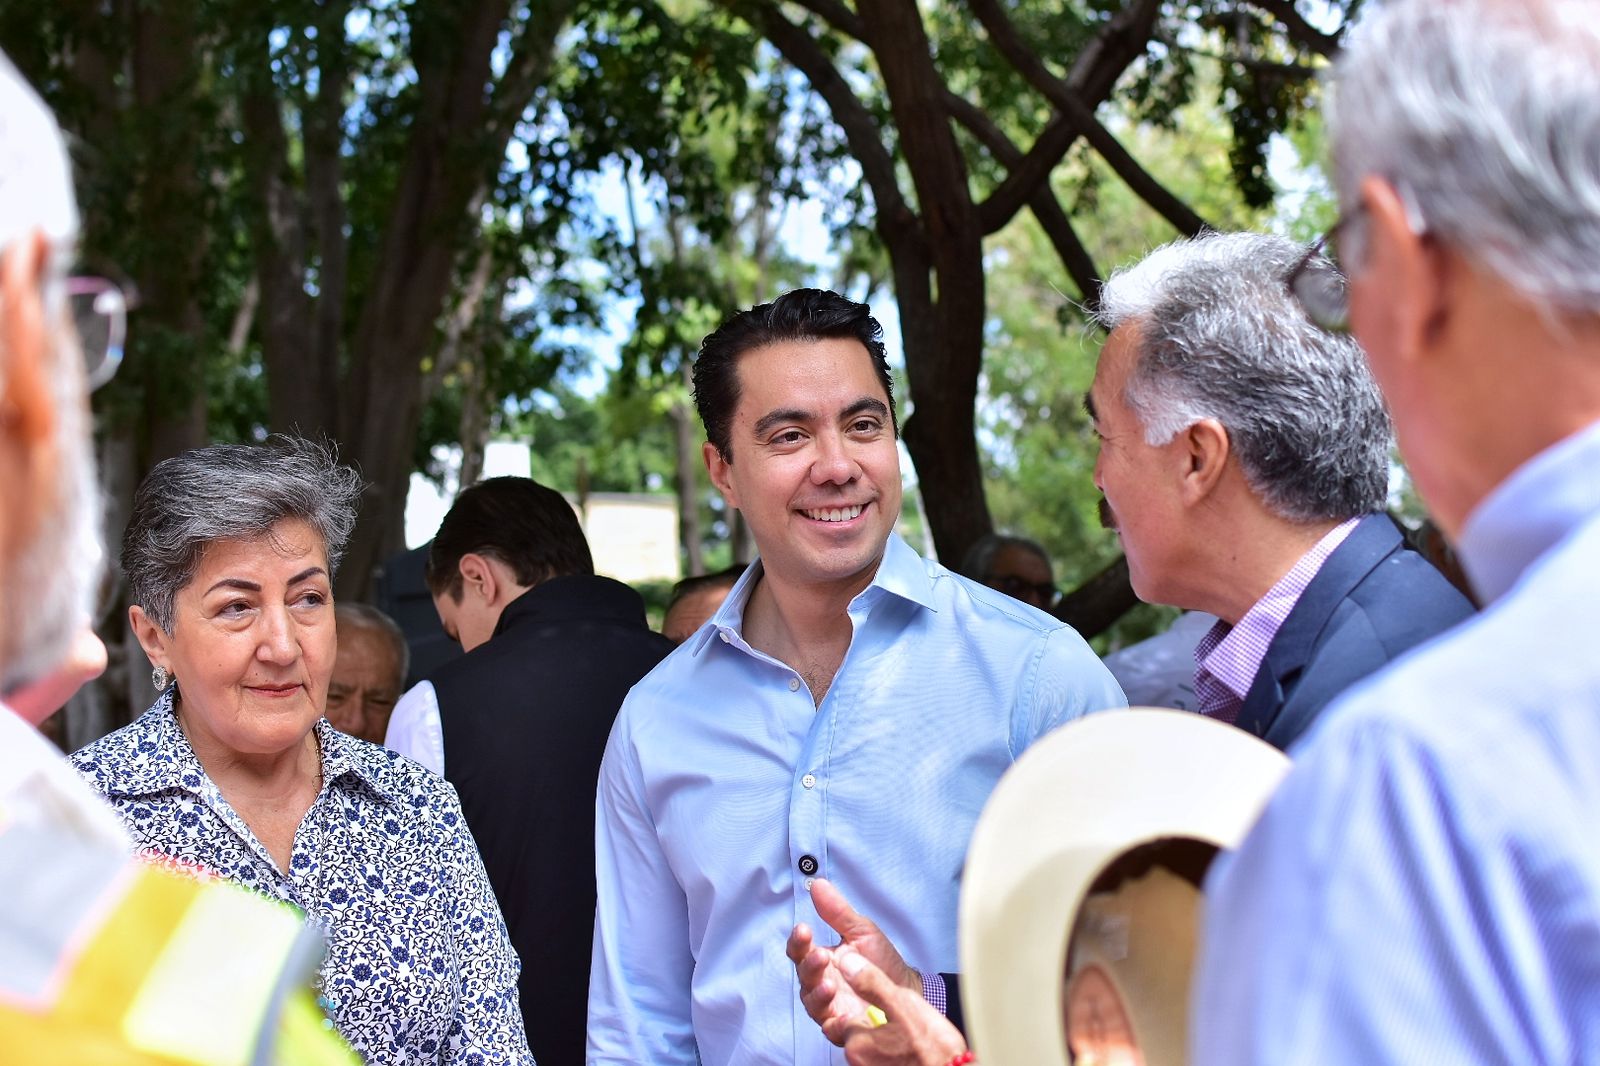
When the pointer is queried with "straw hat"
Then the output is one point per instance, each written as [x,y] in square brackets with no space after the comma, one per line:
[1077,800]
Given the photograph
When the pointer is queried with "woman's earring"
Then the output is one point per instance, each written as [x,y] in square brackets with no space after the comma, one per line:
[161,677]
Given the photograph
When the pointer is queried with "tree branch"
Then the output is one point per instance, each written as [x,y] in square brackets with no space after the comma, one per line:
[1291,71]
[860,128]
[1097,603]
[1101,62]
[1299,30]
[1027,173]
[324,143]
[295,396]
[1046,208]
[531,57]
[1009,196]
[838,16]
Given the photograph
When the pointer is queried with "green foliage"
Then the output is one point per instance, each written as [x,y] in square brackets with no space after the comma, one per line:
[717,136]
[580,442]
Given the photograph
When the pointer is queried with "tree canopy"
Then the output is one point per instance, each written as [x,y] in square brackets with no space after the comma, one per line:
[385,221]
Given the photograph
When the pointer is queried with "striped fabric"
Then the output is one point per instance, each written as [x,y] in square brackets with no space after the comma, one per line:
[1228,657]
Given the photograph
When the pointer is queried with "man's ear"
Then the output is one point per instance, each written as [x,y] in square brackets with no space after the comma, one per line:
[718,468]
[1414,309]
[151,637]
[1204,451]
[478,577]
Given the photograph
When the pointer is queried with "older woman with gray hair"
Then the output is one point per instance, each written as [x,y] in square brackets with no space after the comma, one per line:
[234,772]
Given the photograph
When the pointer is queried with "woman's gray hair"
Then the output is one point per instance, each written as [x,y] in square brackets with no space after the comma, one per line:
[1221,337]
[230,492]
[1486,117]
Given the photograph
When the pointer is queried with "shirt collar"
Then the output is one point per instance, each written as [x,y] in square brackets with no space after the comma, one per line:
[346,761]
[1531,511]
[901,572]
[573,596]
[1233,654]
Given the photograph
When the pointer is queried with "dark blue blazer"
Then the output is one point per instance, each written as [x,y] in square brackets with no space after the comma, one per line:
[1372,601]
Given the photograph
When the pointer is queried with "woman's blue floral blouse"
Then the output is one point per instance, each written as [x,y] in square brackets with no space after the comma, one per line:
[419,967]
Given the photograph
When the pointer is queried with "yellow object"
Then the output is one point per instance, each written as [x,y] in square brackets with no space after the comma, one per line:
[876,1016]
[165,969]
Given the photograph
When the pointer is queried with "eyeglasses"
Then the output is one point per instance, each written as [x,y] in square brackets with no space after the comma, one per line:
[1019,588]
[1318,284]
[100,315]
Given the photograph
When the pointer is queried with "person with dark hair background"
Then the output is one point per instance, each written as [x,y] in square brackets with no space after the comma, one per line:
[518,724]
[1017,566]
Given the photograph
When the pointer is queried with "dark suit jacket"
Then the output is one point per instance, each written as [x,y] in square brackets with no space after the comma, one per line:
[525,717]
[1372,601]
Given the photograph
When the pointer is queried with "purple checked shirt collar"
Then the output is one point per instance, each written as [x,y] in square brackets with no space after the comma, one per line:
[1233,654]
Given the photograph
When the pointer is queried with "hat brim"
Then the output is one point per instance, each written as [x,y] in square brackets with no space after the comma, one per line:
[1073,802]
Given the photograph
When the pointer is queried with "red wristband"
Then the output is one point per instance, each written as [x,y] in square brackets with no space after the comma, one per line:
[963,1058]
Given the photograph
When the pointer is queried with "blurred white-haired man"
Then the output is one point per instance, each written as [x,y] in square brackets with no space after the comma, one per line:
[1426,885]
[105,959]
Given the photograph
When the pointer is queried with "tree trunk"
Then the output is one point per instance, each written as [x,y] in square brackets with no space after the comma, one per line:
[459,137]
[474,431]
[947,331]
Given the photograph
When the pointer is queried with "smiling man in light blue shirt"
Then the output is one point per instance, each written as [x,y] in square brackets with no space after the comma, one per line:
[844,715]
[1426,885]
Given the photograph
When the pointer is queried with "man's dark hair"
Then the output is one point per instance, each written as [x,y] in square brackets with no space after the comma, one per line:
[980,557]
[800,315]
[527,526]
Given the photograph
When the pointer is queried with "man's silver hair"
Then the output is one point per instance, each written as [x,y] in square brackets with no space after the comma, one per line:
[48,592]
[1221,337]
[1485,115]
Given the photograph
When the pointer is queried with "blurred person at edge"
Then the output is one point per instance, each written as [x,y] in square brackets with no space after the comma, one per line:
[89,935]
[230,554]
[1425,887]
[369,673]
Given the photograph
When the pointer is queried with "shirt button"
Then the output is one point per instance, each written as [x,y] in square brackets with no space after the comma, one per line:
[808,865]
[810,780]
[809,882]
[794,684]
[723,633]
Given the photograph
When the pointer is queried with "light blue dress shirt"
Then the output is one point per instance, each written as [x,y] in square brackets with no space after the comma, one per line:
[723,784]
[1425,888]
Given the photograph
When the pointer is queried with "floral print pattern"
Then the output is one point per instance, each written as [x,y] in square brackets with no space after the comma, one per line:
[419,967]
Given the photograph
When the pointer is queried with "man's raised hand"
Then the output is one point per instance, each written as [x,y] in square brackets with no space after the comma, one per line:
[826,996]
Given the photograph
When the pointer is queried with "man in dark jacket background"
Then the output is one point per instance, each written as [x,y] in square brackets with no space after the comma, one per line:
[519,724]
